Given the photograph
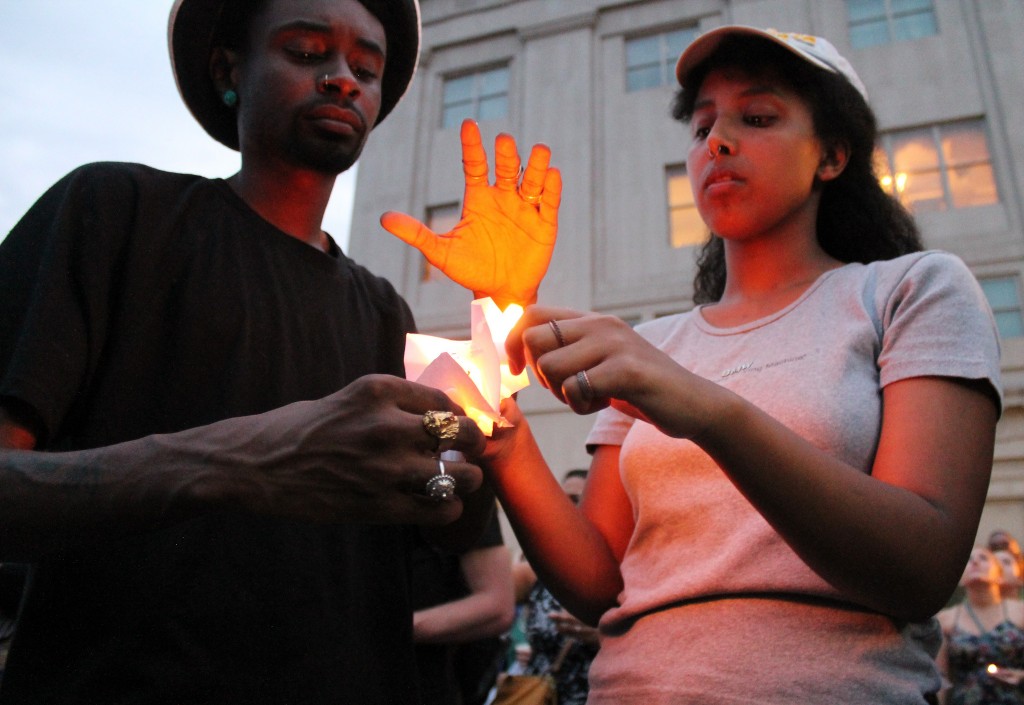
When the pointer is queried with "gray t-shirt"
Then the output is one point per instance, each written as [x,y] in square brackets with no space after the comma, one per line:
[818,366]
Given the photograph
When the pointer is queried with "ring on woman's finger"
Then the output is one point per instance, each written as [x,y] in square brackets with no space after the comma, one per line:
[442,485]
[442,425]
[532,200]
[586,388]
[558,333]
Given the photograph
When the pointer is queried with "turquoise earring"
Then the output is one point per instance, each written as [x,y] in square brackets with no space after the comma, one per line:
[230,98]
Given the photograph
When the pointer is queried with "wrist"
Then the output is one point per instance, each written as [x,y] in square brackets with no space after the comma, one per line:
[507,445]
[721,412]
[503,302]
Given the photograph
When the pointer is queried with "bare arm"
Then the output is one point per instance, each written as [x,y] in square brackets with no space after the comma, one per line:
[574,551]
[487,611]
[359,455]
[894,540]
[523,580]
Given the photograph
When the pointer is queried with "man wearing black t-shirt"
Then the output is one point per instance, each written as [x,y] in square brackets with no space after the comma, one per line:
[241,465]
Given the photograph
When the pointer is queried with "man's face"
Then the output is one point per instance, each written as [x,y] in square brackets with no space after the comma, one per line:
[286,116]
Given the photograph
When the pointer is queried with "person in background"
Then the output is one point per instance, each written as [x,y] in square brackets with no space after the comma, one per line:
[559,643]
[982,654]
[754,528]
[220,468]
[1012,576]
[1003,540]
[462,600]
[1007,551]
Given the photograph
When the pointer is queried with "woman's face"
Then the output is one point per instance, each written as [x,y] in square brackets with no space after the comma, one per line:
[754,155]
[1011,569]
[982,567]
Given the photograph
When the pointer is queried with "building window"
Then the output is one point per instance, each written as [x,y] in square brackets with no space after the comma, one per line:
[1003,296]
[874,22]
[651,60]
[440,219]
[482,95]
[685,226]
[938,168]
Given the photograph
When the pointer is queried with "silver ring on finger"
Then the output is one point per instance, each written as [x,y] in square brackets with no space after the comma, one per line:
[558,333]
[442,485]
[586,388]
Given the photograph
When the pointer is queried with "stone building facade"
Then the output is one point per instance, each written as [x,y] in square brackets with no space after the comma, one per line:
[593,79]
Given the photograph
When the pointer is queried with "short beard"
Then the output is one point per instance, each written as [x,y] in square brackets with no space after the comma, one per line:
[330,161]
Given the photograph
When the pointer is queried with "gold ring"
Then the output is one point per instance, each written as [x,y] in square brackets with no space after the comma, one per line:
[532,200]
[442,425]
[508,183]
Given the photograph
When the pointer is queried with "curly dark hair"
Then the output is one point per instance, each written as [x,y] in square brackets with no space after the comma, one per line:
[857,220]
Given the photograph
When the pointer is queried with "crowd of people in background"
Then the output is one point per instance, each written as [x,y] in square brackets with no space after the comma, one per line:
[982,654]
[226,488]
[981,657]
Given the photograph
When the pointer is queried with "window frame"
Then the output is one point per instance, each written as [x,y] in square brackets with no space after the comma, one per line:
[944,168]
[667,59]
[892,21]
[476,95]
[676,170]
[999,312]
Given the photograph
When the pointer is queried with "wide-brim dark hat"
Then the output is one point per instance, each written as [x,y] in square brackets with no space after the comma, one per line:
[193,26]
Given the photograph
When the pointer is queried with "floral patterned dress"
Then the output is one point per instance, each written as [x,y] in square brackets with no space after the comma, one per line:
[546,643]
[971,655]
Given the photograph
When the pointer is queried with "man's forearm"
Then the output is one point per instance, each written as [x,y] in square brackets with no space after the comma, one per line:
[50,501]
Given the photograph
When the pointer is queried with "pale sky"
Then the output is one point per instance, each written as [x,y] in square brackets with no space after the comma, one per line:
[90,80]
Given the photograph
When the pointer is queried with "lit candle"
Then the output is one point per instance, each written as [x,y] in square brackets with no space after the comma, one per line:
[474,373]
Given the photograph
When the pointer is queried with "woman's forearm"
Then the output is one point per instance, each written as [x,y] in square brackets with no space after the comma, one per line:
[570,556]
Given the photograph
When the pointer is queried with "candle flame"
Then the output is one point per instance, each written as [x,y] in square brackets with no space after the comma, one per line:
[474,373]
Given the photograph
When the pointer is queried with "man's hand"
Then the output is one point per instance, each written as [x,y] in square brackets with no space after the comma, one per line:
[360,455]
[502,245]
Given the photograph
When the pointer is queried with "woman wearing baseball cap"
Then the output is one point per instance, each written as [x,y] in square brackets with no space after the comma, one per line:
[786,480]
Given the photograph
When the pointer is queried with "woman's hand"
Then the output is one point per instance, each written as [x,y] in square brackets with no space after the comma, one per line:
[591,361]
[570,627]
[502,245]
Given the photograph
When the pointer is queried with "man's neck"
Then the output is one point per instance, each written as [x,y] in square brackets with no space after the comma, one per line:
[292,203]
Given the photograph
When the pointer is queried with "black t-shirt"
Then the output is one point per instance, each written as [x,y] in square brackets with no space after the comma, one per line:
[134,301]
[437,578]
